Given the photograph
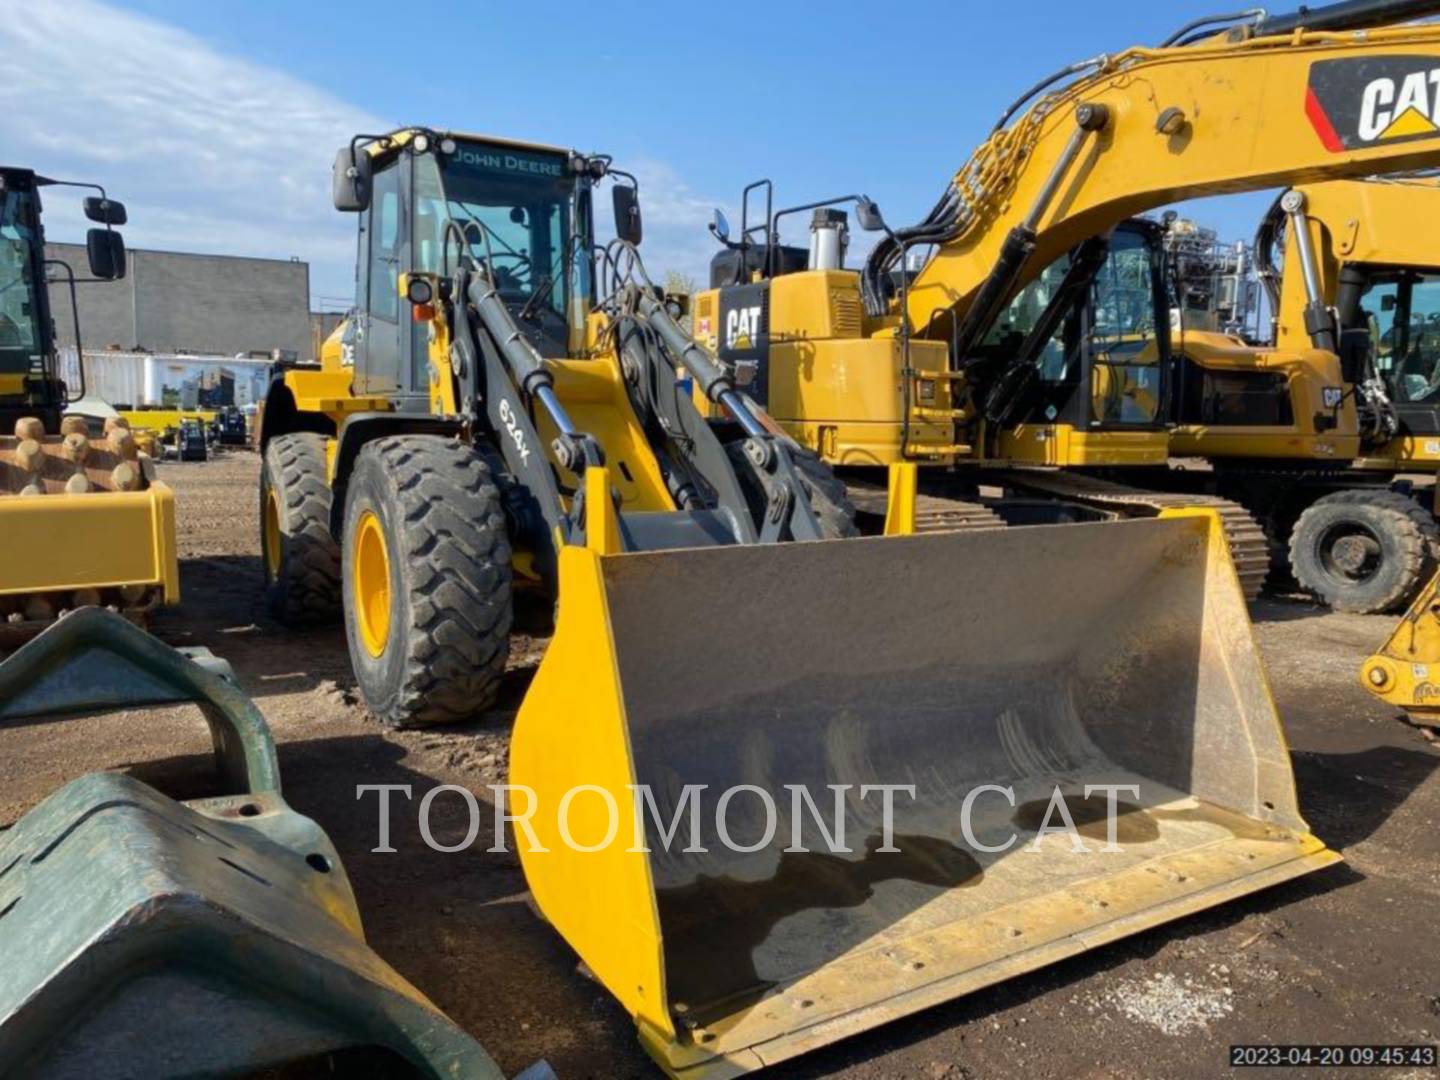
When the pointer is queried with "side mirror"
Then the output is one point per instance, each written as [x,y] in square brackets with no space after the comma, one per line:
[106,250]
[627,213]
[1387,303]
[350,180]
[869,216]
[105,211]
[720,226]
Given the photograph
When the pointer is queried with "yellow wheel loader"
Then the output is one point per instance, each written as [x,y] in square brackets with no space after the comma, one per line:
[83,519]
[1024,363]
[483,408]
[504,428]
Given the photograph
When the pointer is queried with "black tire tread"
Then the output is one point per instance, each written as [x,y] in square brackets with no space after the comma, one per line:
[1416,533]
[456,561]
[310,590]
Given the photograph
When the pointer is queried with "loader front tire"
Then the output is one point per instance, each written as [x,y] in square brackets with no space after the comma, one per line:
[426,573]
[828,499]
[1365,551]
[300,558]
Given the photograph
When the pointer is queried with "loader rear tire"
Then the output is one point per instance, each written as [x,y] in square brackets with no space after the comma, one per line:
[301,559]
[426,573]
[828,499]
[1366,551]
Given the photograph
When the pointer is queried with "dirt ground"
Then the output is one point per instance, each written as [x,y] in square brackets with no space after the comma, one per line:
[1347,955]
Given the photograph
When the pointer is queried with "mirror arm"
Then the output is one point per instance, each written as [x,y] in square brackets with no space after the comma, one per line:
[75,318]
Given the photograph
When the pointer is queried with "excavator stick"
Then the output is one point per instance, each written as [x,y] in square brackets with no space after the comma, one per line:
[1406,671]
[702,763]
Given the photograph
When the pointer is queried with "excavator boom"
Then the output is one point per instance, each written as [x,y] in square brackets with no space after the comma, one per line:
[1155,126]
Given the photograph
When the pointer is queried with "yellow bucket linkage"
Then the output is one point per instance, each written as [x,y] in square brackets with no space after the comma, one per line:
[1032,659]
[1405,672]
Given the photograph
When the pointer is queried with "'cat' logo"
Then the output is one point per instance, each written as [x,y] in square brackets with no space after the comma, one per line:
[1362,102]
[741,327]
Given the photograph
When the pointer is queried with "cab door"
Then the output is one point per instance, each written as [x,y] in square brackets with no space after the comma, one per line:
[379,260]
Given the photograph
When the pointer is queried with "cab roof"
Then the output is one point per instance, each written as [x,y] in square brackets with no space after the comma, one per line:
[394,140]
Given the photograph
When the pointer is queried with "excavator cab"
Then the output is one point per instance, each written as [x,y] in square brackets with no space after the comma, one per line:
[1397,309]
[1085,344]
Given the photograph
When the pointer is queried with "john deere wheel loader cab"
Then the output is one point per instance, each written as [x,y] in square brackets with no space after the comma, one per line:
[82,518]
[485,409]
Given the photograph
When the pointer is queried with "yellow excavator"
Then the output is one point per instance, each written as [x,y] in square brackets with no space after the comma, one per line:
[503,429]
[83,519]
[1028,353]
[1311,431]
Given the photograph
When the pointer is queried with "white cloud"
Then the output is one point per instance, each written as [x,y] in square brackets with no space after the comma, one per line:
[209,152]
[676,220]
[216,153]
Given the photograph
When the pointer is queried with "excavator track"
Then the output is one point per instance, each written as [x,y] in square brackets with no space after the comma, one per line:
[933,513]
[1249,547]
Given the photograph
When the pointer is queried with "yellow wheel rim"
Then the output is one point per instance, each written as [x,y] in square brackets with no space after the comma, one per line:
[272,534]
[370,573]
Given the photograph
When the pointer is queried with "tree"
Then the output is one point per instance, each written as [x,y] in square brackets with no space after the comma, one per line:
[681,284]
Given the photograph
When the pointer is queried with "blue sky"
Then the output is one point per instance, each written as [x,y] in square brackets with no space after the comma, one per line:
[217,122]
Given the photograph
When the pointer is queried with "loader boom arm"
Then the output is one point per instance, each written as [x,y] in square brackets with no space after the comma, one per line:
[1154,126]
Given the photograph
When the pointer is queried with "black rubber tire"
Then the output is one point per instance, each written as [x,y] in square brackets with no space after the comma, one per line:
[440,513]
[306,590]
[828,499]
[1404,532]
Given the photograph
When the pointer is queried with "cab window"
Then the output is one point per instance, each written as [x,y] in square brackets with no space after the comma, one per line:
[1402,312]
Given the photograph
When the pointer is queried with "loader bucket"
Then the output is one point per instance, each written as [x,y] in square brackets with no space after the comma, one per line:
[1033,659]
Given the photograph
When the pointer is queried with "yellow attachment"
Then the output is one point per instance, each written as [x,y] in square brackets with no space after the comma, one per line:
[82,521]
[602,525]
[1406,671]
[103,539]
[595,399]
[900,502]
[164,419]
[1029,658]
[370,562]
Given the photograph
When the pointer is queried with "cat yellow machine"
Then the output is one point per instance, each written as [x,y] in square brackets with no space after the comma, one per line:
[503,427]
[1026,353]
[1405,672]
[82,518]
[1310,431]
